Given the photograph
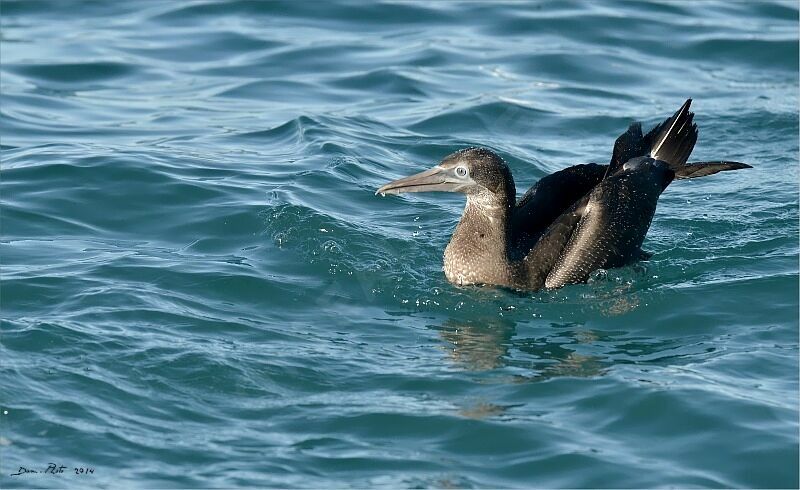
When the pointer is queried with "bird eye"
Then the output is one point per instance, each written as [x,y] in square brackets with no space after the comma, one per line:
[461,171]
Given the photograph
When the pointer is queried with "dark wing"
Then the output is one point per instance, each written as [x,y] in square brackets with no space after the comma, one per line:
[546,251]
[549,198]
[701,169]
[630,144]
[671,141]
[604,229]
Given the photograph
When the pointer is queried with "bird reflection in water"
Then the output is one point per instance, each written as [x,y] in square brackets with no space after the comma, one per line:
[480,345]
[484,345]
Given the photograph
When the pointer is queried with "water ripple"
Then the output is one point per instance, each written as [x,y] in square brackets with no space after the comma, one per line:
[200,288]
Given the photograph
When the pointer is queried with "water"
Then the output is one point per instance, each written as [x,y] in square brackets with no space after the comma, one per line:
[199,288]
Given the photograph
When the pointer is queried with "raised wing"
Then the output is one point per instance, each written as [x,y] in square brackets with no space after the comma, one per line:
[601,219]
[549,198]
[604,229]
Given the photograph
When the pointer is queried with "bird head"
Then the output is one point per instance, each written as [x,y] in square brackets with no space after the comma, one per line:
[478,173]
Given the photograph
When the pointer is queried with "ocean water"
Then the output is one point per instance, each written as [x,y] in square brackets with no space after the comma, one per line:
[199,288]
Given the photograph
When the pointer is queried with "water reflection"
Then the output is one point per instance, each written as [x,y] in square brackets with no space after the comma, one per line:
[486,344]
[482,410]
[562,349]
[492,343]
[478,345]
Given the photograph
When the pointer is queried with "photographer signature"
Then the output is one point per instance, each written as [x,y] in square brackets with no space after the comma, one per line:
[55,469]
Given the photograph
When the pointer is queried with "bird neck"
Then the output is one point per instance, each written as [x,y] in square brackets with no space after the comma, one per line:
[487,222]
[479,250]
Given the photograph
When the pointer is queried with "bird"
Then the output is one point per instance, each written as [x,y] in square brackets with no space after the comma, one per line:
[570,223]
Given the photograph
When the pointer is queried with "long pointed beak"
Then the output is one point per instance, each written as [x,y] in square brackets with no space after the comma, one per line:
[435,179]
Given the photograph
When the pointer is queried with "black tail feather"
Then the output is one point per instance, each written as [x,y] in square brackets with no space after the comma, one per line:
[674,139]
[701,169]
[671,141]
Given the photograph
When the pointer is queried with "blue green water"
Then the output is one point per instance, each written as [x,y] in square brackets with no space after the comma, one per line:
[199,288]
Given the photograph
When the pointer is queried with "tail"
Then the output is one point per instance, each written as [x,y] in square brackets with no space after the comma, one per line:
[673,142]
